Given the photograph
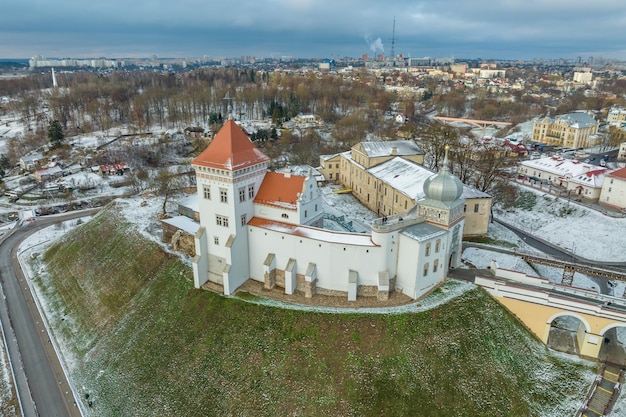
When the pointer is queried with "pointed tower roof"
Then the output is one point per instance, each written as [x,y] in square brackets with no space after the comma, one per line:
[231,149]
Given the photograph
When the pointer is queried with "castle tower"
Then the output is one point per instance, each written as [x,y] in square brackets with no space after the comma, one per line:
[443,206]
[228,175]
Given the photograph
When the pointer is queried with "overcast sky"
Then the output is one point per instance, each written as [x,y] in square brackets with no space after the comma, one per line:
[507,29]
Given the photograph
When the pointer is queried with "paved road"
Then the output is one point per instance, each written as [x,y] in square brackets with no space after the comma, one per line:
[603,285]
[41,385]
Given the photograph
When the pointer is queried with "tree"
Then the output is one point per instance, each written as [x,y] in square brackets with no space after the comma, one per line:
[55,134]
[166,184]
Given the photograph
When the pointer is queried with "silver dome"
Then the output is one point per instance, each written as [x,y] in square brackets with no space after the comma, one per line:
[444,186]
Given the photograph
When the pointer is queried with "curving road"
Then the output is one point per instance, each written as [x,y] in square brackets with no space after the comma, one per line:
[552,250]
[40,382]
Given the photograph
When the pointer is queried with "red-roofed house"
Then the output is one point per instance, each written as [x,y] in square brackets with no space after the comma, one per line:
[613,192]
[268,227]
[587,185]
[289,198]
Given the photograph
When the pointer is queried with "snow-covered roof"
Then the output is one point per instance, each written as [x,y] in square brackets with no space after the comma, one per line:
[560,166]
[402,147]
[358,239]
[423,231]
[37,156]
[577,120]
[469,192]
[592,179]
[191,203]
[183,223]
[327,157]
[408,178]
[404,176]
[301,170]
[54,170]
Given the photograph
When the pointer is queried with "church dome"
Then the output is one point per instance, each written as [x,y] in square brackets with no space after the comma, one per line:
[444,186]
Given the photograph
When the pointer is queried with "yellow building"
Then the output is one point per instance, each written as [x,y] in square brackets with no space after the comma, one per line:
[329,167]
[388,178]
[572,130]
[615,115]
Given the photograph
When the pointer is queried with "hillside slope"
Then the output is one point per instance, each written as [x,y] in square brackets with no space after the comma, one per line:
[139,340]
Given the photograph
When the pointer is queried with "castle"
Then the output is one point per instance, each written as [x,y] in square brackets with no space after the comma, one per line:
[267,226]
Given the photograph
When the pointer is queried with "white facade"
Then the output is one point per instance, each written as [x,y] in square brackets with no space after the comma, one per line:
[622,151]
[582,77]
[260,225]
[555,170]
[613,192]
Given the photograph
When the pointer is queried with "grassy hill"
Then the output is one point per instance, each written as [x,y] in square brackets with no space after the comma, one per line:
[139,340]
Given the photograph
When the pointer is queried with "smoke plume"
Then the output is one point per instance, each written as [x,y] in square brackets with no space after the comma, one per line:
[375,45]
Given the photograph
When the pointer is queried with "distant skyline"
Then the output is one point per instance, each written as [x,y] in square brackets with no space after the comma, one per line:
[511,29]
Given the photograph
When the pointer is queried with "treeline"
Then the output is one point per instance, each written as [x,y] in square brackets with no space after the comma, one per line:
[87,101]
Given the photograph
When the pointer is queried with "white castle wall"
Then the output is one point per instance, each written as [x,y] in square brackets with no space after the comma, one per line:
[333,260]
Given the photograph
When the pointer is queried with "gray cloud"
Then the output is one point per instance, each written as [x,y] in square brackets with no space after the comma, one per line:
[314,28]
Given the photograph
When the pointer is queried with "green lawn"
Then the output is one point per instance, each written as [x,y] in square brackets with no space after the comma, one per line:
[141,341]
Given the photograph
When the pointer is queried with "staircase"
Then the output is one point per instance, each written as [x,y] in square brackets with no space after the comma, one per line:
[603,392]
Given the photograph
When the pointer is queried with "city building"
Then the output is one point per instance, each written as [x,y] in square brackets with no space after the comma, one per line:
[614,189]
[555,170]
[572,130]
[616,115]
[621,155]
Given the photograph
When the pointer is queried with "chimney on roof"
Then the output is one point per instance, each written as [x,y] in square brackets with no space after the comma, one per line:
[287,172]
[394,150]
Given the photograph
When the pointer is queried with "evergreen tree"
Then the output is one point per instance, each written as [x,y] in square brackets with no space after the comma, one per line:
[55,134]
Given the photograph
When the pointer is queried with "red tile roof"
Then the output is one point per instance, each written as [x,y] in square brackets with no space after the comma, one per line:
[231,149]
[279,190]
[618,173]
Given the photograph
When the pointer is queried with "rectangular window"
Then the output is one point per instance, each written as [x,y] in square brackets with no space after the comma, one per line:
[221,220]
[242,194]
[426,269]
[435,265]
[251,191]
[305,213]
[476,208]
[216,240]
[428,249]
[223,195]
[243,220]
[438,246]
[206,189]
